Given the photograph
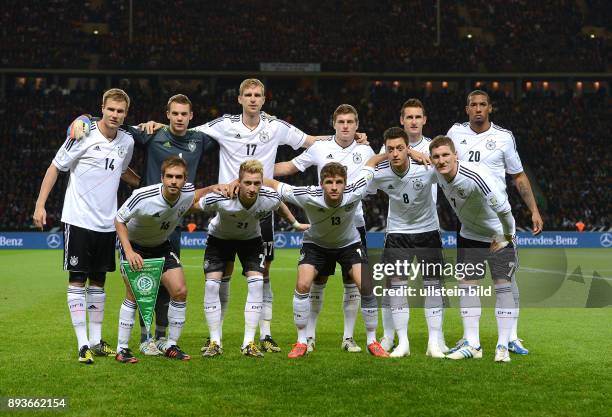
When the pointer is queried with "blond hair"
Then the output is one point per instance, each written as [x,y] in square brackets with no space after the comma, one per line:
[252,166]
[251,82]
[116,94]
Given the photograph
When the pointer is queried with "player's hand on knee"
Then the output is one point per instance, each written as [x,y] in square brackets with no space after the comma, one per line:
[80,127]
[40,217]
[301,227]
[499,242]
[361,138]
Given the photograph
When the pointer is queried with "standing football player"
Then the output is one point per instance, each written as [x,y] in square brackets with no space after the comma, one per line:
[96,165]
[486,144]
[487,234]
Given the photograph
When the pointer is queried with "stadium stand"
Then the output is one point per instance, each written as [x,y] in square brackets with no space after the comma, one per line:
[501,36]
[562,139]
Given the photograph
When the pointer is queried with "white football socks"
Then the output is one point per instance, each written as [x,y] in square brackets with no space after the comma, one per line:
[266,314]
[76,306]
[351,299]
[470,314]
[177,311]
[253,307]
[301,311]
[212,309]
[316,303]
[127,315]
[95,309]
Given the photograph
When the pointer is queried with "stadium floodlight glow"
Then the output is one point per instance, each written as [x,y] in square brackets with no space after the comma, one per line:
[95,32]
[592,36]
[469,36]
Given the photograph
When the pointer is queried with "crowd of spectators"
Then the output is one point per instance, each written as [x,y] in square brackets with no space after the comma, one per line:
[506,35]
[561,137]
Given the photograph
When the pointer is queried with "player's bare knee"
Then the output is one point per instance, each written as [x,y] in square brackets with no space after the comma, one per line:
[321,279]
[77,279]
[180,293]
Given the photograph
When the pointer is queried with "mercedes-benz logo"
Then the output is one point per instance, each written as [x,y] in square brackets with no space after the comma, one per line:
[280,240]
[54,240]
[606,240]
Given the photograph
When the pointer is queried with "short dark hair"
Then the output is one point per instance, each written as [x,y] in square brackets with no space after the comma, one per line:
[333,169]
[181,99]
[442,140]
[173,161]
[395,133]
[412,102]
[478,93]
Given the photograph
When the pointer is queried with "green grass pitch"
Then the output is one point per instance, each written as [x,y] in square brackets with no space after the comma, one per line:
[568,372]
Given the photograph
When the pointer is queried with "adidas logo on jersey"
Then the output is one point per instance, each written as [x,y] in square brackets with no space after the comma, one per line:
[330,156]
[237,135]
[390,187]
[96,148]
[464,142]
[156,215]
[167,145]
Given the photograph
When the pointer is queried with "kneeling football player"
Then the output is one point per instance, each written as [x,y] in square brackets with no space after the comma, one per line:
[144,223]
[332,238]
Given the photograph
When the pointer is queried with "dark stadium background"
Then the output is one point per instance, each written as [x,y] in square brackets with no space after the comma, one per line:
[545,64]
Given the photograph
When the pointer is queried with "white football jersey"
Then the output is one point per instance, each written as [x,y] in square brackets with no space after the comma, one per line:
[235,222]
[476,196]
[495,149]
[96,165]
[353,157]
[423,147]
[330,227]
[150,218]
[412,208]
[238,143]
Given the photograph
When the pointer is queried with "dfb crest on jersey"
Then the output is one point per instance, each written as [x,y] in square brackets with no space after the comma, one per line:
[417,184]
[357,158]
[181,211]
[461,192]
[491,145]
[121,151]
[74,260]
[264,137]
[63,155]
[192,146]
[349,207]
[261,214]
